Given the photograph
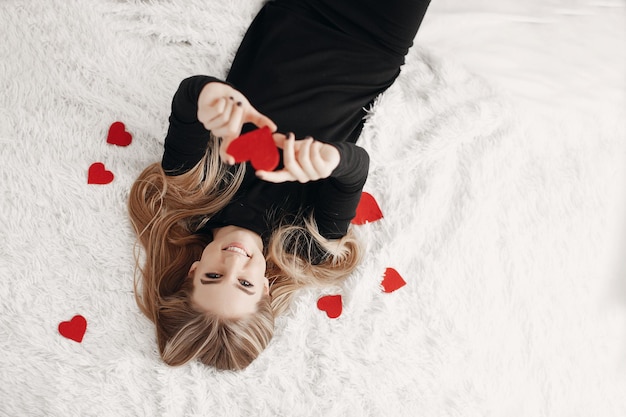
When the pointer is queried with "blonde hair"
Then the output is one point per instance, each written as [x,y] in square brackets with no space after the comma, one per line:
[165,212]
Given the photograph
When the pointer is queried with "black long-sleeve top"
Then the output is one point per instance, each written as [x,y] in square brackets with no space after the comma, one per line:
[313,67]
[259,205]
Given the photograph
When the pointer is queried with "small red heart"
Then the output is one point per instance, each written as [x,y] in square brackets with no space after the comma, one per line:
[74,329]
[98,174]
[368,210]
[118,135]
[331,304]
[392,280]
[256,146]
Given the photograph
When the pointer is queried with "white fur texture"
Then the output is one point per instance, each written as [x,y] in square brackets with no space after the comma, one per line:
[506,226]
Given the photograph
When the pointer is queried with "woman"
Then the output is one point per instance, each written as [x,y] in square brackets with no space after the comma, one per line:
[225,246]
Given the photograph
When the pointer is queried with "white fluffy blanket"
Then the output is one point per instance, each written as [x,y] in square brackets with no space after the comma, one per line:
[505,225]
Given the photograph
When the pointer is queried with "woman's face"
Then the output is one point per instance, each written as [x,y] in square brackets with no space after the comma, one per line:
[229,279]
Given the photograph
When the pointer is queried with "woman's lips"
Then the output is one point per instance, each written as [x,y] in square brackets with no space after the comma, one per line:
[238,248]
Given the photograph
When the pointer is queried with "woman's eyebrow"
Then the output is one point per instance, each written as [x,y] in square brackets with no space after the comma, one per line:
[217,281]
[244,289]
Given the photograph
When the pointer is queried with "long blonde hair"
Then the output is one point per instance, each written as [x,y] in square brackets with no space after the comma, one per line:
[165,212]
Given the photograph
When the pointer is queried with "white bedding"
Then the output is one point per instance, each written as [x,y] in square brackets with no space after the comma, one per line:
[503,197]
[549,54]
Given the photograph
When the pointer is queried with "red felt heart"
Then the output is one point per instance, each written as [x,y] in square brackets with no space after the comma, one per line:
[331,304]
[392,280]
[74,329]
[256,146]
[118,135]
[98,174]
[367,211]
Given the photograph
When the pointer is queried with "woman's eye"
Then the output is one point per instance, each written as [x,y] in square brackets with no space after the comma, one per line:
[245,283]
[213,275]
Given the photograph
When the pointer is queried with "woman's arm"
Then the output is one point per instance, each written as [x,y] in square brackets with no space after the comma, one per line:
[202,105]
[335,200]
[343,168]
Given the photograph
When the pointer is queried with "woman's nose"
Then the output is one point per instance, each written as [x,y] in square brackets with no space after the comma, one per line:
[234,261]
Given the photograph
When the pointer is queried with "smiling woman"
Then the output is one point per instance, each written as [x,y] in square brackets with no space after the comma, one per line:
[226,247]
[229,279]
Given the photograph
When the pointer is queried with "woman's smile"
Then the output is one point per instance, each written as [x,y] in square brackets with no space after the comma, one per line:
[237,248]
[235,267]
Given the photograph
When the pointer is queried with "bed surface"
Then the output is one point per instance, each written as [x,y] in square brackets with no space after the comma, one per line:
[503,203]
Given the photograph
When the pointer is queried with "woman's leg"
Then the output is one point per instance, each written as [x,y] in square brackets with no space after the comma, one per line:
[391,23]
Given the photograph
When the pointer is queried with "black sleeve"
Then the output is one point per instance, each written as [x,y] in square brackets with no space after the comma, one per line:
[187,139]
[336,198]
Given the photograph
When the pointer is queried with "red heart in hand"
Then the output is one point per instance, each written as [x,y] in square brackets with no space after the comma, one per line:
[98,174]
[331,304]
[118,135]
[74,329]
[367,211]
[392,280]
[256,146]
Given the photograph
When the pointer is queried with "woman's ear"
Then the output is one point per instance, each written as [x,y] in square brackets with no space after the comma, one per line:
[266,286]
[193,268]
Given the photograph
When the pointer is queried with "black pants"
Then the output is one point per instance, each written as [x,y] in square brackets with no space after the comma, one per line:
[314,66]
[391,23]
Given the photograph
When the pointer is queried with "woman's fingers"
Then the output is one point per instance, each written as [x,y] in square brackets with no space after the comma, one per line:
[217,108]
[291,170]
[224,156]
[222,120]
[304,160]
[317,161]
[223,110]
[290,160]
[217,115]
[329,158]
[235,121]
[230,133]
[275,176]
[208,112]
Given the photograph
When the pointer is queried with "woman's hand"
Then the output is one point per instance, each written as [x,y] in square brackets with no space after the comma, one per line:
[304,160]
[224,110]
